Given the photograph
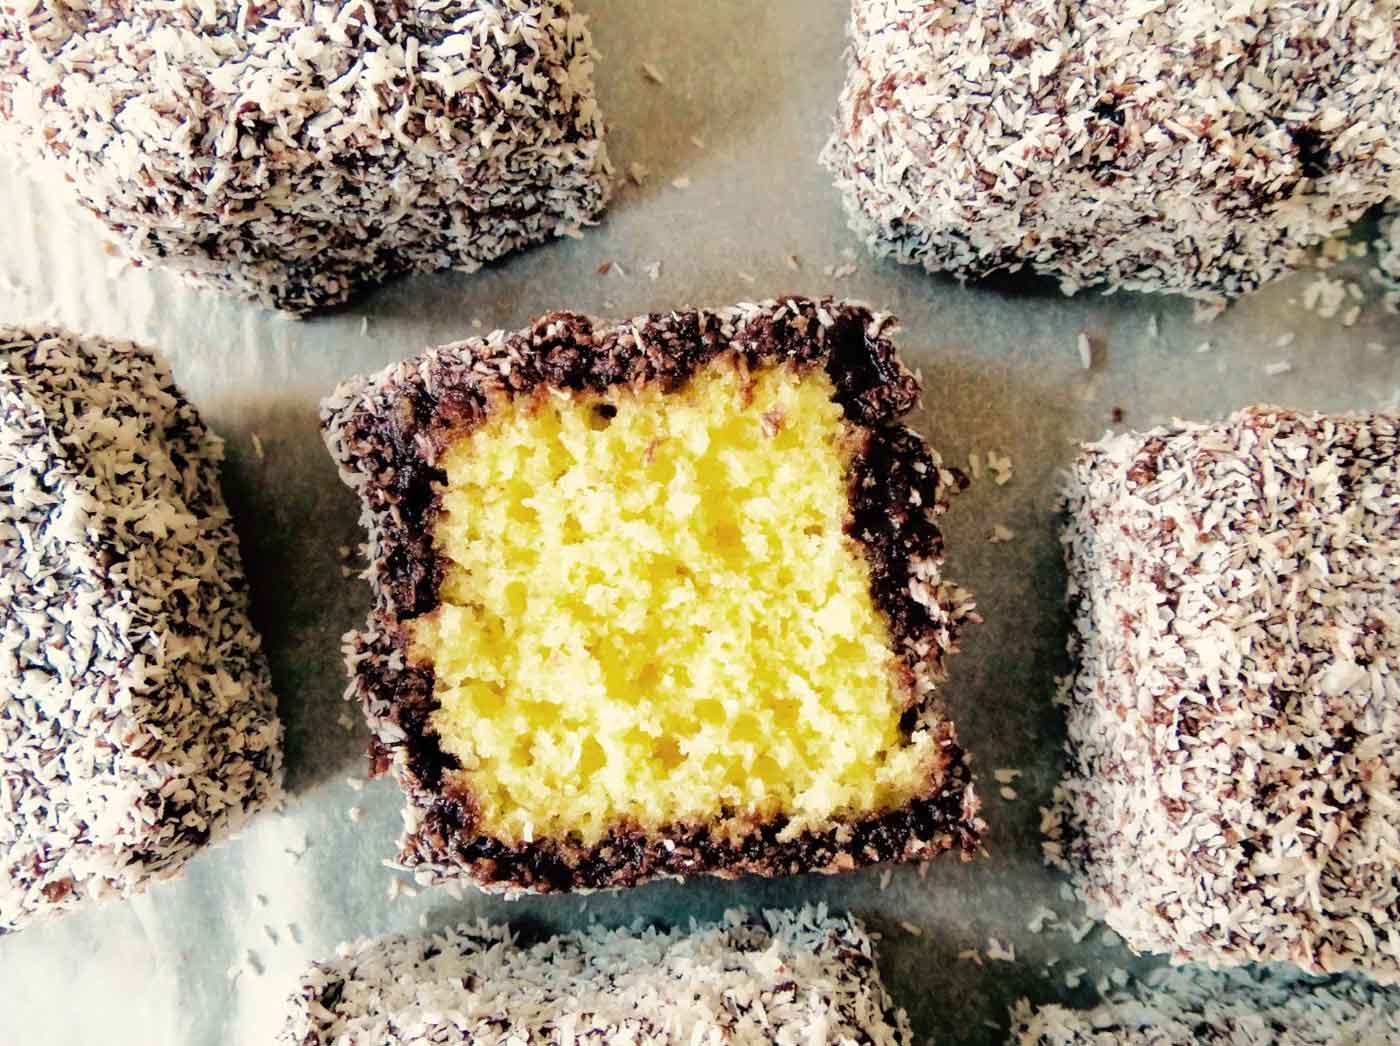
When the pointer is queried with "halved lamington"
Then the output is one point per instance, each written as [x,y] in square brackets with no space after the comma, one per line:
[1187,1007]
[297,153]
[1233,793]
[657,598]
[137,722]
[786,977]
[1194,148]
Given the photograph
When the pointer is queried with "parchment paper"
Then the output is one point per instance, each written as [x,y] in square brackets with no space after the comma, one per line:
[746,104]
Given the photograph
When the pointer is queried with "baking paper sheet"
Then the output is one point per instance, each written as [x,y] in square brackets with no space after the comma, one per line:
[730,141]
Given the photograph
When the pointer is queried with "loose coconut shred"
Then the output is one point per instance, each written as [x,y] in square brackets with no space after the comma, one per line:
[790,978]
[1193,147]
[137,722]
[1234,727]
[1236,1009]
[1388,247]
[295,152]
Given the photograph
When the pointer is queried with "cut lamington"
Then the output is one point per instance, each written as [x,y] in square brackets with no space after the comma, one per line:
[657,598]
[1190,147]
[1186,1007]
[1233,793]
[295,153]
[137,722]
[790,978]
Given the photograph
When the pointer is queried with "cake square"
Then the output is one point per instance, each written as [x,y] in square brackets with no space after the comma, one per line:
[137,722]
[657,598]
[792,978]
[295,154]
[1184,1007]
[1234,721]
[1192,148]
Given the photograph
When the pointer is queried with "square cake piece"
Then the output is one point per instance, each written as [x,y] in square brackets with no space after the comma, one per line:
[1187,1007]
[790,978]
[137,722]
[296,153]
[657,598]
[1189,147]
[1233,793]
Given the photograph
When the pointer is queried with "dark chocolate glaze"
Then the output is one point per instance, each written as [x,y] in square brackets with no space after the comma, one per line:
[389,435]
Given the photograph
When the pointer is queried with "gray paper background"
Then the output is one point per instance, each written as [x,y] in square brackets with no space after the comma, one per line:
[756,83]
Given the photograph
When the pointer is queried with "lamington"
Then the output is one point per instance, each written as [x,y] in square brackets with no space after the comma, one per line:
[1186,1007]
[1233,789]
[790,978]
[294,152]
[1193,147]
[657,598]
[137,722]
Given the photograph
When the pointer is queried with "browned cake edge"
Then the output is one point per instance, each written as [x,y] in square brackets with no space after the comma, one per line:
[387,432]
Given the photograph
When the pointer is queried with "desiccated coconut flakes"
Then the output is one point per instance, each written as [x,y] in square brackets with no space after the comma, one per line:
[1237,702]
[138,719]
[998,952]
[436,135]
[784,977]
[1195,1005]
[970,139]
[1086,350]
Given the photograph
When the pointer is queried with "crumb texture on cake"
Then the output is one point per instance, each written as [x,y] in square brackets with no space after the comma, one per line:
[1233,792]
[786,978]
[538,501]
[1190,147]
[295,153]
[137,722]
[652,613]
[1178,1007]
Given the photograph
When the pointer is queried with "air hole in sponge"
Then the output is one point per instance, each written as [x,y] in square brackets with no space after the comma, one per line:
[601,415]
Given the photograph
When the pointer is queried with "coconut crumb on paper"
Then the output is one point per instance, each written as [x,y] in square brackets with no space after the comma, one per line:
[683,182]
[1086,350]
[638,172]
[999,465]
[1041,918]
[1001,535]
[652,73]
[1388,246]
[1278,367]
[998,952]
